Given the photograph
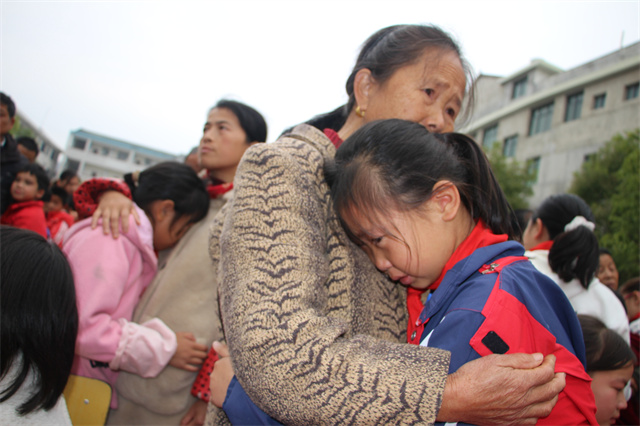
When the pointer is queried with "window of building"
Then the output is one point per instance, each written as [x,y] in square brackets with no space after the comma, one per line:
[104,151]
[73,165]
[533,166]
[632,91]
[510,144]
[489,136]
[123,155]
[79,143]
[574,107]
[519,88]
[541,119]
[599,100]
[148,161]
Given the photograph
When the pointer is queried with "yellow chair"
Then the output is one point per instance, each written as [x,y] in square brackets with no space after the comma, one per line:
[87,400]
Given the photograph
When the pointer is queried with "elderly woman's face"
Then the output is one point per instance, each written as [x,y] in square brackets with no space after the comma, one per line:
[429,92]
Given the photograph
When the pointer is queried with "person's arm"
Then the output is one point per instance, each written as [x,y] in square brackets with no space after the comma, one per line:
[106,199]
[302,361]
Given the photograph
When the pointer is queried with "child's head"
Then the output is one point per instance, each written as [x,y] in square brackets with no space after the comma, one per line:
[173,197]
[610,365]
[31,183]
[58,200]
[630,291]
[69,180]
[566,219]
[39,316]
[28,147]
[404,194]
[231,128]
[607,270]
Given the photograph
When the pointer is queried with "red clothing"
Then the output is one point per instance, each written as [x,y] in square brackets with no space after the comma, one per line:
[26,215]
[481,236]
[58,223]
[85,199]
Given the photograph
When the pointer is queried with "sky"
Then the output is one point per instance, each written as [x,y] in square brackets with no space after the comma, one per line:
[147,72]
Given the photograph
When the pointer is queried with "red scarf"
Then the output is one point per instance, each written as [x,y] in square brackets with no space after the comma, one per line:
[216,187]
[543,246]
[481,236]
[333,136]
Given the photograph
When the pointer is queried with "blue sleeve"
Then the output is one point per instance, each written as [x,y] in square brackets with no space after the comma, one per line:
[241,410]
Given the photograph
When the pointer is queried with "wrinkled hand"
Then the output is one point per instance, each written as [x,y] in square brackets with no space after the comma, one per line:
[502,389]
[221,375]
[189,354]
[114,208]
[196,414]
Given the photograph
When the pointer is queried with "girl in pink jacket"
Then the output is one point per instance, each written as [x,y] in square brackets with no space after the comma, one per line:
[111,275]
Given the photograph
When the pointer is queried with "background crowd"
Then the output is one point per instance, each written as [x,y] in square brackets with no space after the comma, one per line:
[325,317]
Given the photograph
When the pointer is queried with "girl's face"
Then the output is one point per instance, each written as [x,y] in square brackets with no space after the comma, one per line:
[167,233]
[72,184]
[607,272]
[25,187]
[222,145]
[608,389]
[429,91]
[409,247]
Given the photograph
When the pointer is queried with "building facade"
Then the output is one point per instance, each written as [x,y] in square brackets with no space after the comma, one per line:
[552,120]
[49,153]
[94,155]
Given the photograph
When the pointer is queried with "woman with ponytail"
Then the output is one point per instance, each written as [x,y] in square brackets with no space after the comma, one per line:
[429,213]
[560,242]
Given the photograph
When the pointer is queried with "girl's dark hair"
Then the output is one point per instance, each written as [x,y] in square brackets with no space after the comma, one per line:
[39,317]
[394,164]
[39,173]
[388,50]
[173,181]
[251,121]
[606,350]
[574,254]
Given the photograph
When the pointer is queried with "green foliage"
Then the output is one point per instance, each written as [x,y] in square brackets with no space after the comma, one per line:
[515,179]
[610,183]
[19,130]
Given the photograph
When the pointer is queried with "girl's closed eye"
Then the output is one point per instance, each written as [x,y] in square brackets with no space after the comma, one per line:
[429,91]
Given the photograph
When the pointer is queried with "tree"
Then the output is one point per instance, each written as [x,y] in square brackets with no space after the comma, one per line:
[514,178]
[18,130]
[609,181]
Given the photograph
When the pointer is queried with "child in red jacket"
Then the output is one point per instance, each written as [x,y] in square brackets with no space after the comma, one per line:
[26,210]
[58,219]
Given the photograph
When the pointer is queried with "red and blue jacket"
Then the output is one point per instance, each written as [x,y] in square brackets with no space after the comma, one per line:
[495,301]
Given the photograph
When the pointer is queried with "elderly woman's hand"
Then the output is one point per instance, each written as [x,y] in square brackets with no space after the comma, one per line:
[114,209]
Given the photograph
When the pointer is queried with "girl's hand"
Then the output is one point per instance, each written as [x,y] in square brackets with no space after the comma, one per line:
[196,414]
[221,375]
[190,354]
[114,208]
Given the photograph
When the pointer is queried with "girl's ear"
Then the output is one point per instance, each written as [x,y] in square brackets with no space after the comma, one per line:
[362,86]
[161,210]
[39,194]
[540,231]
[446,198]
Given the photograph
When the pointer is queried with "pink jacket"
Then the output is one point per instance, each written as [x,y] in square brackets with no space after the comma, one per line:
[110,276]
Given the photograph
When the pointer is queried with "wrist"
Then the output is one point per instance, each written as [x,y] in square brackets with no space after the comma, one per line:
[448,411]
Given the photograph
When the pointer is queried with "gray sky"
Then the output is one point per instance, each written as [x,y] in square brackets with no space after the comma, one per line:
[148,71]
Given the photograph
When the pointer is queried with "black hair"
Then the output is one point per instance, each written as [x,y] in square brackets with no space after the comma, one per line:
[394,164]
[388,50]
[603,250]
[251,121]
[40,174]
[39,317]
[574,254]
[629,286]
[8,102]
[521,218]
[28,143]
[67,174]
[173,181]
[606,350]
[60,192]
